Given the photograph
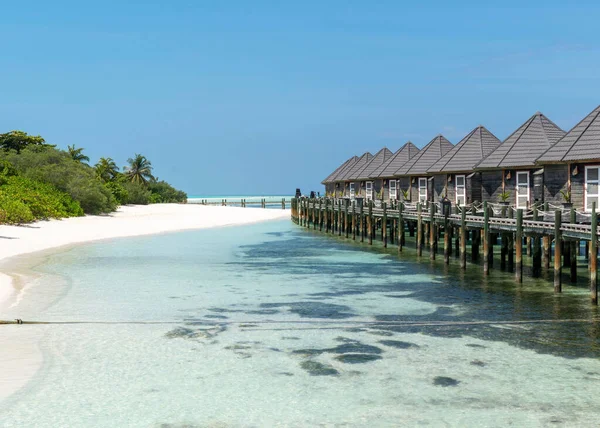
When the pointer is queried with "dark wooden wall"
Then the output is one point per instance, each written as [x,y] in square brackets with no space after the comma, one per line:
[555,180]
[491,186]
[473,188]
[439,187]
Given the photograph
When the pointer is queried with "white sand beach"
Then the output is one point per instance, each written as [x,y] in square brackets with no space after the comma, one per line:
[127,221]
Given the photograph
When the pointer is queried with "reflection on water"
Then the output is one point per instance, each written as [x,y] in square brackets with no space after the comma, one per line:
[270,325]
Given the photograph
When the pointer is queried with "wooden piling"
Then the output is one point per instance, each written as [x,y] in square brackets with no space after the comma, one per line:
[593,256]
[573,247]
[432,234]
[546,252]
[354,220]
[463,238]
[537,250]
[419,231]
[486,239]
[346,202]
[370,223]
[400,227]
[519,247]
[320,215]
[361,220]
[447,236]
[384,225]
[557,252]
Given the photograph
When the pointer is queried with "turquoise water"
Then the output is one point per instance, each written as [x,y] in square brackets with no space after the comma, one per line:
[271,325]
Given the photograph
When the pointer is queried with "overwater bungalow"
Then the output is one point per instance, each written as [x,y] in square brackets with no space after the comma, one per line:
[572,165]
[329,182]
[453,174]
[383,177]
[346,182]
[372,190]
[413,178]
[509,173]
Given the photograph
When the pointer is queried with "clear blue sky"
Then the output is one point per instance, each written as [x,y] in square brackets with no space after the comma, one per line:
[263,97]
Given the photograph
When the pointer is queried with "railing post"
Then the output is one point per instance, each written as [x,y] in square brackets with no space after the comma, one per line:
[557,252]
[594,256]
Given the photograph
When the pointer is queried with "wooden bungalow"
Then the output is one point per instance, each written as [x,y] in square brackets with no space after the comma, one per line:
[329,182]
[509,173]
[453,173]
[413,178]
[346,182]
[383,177]
[372,191]
[572,165]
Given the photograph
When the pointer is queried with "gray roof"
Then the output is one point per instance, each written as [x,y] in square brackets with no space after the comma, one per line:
[582,143]
[468,152]
[351,173]
[524,145]
[344,170]
[405,153]
[338,169]
[422,161]
[381,157]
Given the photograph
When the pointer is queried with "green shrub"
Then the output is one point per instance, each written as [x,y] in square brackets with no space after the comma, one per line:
[118,191]
[166,193]
[13,211]
[49,165]
[136,193]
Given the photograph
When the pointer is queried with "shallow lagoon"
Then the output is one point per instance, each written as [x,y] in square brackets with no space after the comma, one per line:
[271,325]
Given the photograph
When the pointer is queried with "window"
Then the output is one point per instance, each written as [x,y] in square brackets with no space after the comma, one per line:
[422,189]
[351,190]
[592,186]
[522,189]
[393,192]
[369,190]
[461,190]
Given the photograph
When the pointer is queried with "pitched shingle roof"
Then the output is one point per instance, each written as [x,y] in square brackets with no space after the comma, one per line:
[582,143]
[340,168]
[374,164]
[344,170]
[422,161]
[406,152]
[468,152]
[524,145]
[352,172]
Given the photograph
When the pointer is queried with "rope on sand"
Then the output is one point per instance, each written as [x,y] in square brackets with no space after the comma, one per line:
[250,323]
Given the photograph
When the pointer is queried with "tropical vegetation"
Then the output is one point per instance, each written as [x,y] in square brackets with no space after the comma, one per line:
[39,181]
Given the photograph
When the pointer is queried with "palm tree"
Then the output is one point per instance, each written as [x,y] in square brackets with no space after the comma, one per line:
[139,169]
[106,169]
[77,154]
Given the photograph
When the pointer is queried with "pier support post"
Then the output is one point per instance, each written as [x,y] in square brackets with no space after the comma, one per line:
[463,238]
[519,247]
[594,257]
[432,234]
[419,231]
[400,226]
[384,222]
[557,252]
[361,220]
[573,249]
[546,252]
[537,250]
[486,239]
[354,220]
[320,214]
[339,218]
[447,236]
[346,202]
[370,223]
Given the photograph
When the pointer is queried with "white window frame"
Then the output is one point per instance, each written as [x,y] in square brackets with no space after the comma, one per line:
[585,187]
[517,196]
[422,189]
[394,190]
[369,190]
[462,194]
[352,190]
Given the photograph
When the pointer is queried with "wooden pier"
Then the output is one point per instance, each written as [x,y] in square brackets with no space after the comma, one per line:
[263,202]
[545,231]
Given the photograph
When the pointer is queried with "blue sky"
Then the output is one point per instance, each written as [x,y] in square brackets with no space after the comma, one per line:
[263,97]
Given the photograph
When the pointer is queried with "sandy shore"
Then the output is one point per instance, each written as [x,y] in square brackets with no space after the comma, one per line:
[127,221]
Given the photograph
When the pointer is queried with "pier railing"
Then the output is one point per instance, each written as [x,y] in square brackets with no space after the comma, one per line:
[542,228]
[243,202]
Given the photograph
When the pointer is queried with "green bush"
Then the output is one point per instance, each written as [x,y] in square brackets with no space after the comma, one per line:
[118,191]
[136,193]
[49,165]
[42,200]
[164,192]
[14,211]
